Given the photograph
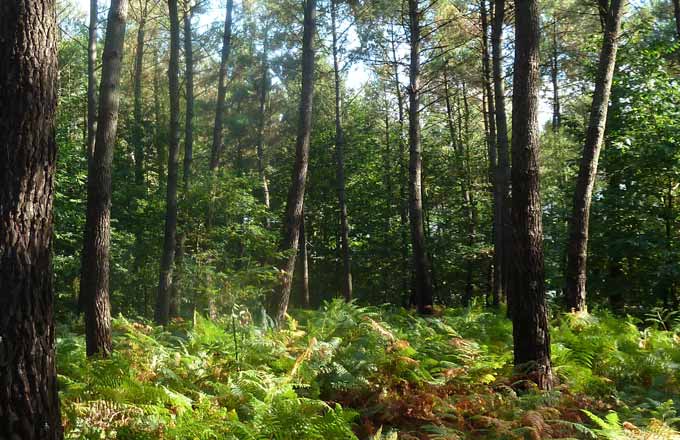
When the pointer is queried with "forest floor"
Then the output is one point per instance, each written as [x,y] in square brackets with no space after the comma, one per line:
[347,372]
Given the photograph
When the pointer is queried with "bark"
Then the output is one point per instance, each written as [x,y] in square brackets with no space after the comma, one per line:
[278,305]
[217,144]
[95,274]
[503,233]
[189,115]
[304,260]
[264,91]
[29,403]
[340,162]
[162,314]
[554,70]
[491,146]
[403,187]
[423,277]
[529,314]
[577,247]
[676,12]
[91,111]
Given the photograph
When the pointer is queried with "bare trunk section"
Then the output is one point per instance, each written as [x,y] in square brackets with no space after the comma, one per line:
[29,403]
[278,304]
[217,144]
[577,248]
[189,115]
[264,91]
[491,147]
[165,287]
[531,336]
[340,162]
[95,274]
[503,233]
[423,277]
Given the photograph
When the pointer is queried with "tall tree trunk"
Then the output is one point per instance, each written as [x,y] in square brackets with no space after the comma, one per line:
[554,70]
[340,162]
[264,91]
[676,12]
[159,142]
[138,135]
[423,277]
[403,187]
[278,305]
[217,144]
[491,147]
[503,233]
[162,314]
[304,260]
[29,403]
[91,113]
[189,115]
[529,314]
[577,248]
[95,274]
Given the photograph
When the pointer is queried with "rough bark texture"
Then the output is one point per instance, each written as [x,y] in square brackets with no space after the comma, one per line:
[95,273]
[503,233]
[423,277]
[170,237]
[278,305]
[340,163]
[577,248]
[491,146]
[217,144]
[29,404]
[189,115]
[529,315]
[264,92]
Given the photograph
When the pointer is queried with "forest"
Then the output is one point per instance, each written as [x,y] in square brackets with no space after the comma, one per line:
[339,219]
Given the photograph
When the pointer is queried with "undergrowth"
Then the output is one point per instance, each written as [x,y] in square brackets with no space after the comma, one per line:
[351,372]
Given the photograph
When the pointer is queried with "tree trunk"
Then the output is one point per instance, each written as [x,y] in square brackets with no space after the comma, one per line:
[577,248]
[169,242]
[529,313]
[676,12]
[503,234]
[554,70]
[340,161]
[278,305]
[91,114]
[29,403]
[175,298]
[423,277]
[304,259]
[217,144]
[189,78]
[264,91]
[403,204]
[158,121]
[95,274]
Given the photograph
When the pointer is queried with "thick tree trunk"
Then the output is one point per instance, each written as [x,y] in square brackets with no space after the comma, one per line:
[503,233]
[577,248]
[217,144]
[340,162]
[189,115]
[423,277]
[95,274]
[162,314]
[29,403]
[264,91]
[278,305]
[529,313]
